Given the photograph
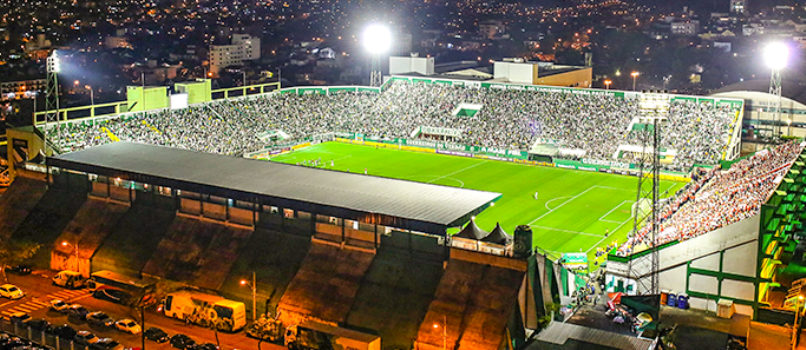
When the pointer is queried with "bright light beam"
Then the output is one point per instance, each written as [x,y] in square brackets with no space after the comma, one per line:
[776,55]
[377,39]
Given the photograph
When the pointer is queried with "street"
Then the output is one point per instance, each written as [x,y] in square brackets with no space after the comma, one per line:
[39,292]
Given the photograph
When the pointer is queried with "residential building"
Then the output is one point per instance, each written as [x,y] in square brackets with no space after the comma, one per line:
[242,48]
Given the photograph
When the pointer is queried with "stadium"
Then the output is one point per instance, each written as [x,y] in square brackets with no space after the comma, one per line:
[439,169]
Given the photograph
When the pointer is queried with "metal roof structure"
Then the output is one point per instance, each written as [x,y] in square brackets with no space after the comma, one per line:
[370,199]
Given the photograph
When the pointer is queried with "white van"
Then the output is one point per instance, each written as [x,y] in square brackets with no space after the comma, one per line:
[69,279]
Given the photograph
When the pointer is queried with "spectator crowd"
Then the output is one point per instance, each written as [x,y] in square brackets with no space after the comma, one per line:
[717,198]
[589,125]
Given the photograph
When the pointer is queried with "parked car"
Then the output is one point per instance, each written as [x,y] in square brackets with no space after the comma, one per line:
[69,279]
[128,326]
[38,324]
[11,291]
[19,318]
[207,346]
[78,311]
[59,305]
[13,342]
[181,341]
[19,269]
[156,334]
[85,338]
[106,344]
[100,318]
[64,331]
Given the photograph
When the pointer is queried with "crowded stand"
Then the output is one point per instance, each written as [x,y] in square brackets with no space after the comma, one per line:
[717,198]
[593,124]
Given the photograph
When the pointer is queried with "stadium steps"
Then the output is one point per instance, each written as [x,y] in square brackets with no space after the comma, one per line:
[17,201]
[394,296]
[459,281]
[275,257]
[326,284]
[133,240]
[197,252]
[47,219]
[477,300]
[93,222]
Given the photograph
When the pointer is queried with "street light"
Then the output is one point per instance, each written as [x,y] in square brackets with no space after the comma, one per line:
[377,40]
[444,331]
[776,55]
[607,83]
[75,83]
[795,325]
[65,244]
[634,76]
[92,95]
[253,285]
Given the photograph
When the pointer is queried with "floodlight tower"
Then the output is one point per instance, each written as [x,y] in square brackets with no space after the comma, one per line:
[654,111]
[776,54]
[52,97]
[377,40]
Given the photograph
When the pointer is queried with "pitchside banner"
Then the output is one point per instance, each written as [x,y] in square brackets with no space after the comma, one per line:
[575,261]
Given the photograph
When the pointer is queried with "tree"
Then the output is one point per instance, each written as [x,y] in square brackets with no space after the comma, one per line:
[14,253]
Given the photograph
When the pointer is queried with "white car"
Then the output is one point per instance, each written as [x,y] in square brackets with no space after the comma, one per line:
[59,305]
[128,326]
[11,291]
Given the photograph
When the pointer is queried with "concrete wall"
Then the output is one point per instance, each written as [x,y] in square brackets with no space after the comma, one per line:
[720,264]
[581,78]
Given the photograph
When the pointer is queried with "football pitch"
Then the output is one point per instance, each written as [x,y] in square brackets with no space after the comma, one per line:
[575,211]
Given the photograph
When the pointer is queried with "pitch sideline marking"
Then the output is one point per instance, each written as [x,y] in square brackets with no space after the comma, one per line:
[561,204]
[458,171]
[607,236]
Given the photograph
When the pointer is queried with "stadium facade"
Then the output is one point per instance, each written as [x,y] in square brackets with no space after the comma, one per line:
[707,268]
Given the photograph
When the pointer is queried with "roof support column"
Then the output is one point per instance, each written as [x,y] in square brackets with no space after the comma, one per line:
[343,234]
[376,236]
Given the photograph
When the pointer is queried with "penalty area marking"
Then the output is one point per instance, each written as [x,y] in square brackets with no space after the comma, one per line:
[561,204]
[551,200]
[566,231]
[602,218]
[458,171]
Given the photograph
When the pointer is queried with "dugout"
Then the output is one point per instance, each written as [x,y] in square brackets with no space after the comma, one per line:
[339,206]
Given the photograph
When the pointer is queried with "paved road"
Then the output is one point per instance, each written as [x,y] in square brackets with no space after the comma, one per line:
[39,291]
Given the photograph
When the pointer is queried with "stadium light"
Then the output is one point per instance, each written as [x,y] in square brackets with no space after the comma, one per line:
[776,55]
[377,39]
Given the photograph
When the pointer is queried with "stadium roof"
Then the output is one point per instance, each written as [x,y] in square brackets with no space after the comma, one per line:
[789,88]
[390,202]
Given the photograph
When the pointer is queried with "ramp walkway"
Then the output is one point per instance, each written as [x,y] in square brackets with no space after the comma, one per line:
[475,301]
[326,284]
[47,219]
[395,293]
[93,222]
[275,257]
[133,240]
[17,202]
[197,252]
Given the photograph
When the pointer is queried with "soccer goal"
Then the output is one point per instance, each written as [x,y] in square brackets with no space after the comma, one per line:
[641,208]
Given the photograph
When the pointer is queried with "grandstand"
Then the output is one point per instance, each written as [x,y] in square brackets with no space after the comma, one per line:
[508,119]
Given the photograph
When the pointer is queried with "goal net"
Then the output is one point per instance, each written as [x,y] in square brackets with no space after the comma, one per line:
[642,208]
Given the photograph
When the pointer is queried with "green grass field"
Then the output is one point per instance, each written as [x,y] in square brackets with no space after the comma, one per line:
[573,211]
